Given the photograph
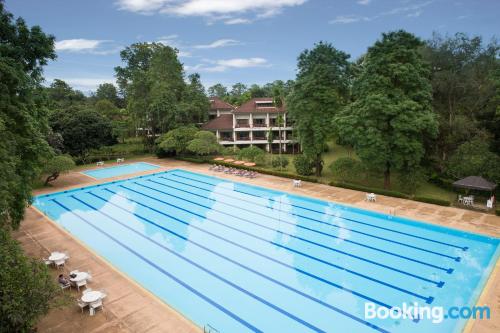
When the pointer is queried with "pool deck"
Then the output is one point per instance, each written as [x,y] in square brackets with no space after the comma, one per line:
[130,308]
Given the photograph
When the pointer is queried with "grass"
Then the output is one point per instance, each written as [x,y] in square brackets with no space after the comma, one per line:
[335,152]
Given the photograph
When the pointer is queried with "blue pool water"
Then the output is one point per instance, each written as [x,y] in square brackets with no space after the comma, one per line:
[120,170]
[248,259]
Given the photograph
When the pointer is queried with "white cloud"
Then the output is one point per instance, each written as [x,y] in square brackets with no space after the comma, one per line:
[237,20]
[77,45]
[210,8]
[223,65]
[218,43]
[93,46]
[410,11]
[364,2]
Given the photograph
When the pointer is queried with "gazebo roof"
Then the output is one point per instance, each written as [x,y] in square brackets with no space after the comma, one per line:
[475,183]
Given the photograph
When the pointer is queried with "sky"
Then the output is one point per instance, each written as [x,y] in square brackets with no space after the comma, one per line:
[229,41]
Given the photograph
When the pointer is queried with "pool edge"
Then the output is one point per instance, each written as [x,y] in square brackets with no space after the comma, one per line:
[125,276]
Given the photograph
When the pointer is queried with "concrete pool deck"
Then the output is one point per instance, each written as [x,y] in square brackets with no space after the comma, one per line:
[130,308]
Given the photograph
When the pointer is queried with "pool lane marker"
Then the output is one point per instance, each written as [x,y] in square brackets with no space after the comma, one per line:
[439,284]
[463,248]
[284,264]
[298,226]
[336,309]
[457,259]
[428,300]
[164,272]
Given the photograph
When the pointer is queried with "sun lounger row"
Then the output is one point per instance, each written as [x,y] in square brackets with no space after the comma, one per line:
[233,171]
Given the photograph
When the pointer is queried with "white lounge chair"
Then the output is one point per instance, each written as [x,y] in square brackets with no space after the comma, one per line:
[64,286]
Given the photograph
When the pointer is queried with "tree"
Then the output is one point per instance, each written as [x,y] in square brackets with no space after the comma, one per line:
[252,154]
[473,158]
[177,140]
[196,102]
[61,95]
[319,93]
[57,165]
[218,90]
[107,109]
[26,287]
[23,115]
[392,111]
[303,165]
[204,143]
[465,79]
[278,103]
[108,91]
[82,130]
[346,169]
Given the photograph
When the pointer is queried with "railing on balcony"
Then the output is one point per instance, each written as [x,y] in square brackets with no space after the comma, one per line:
[242,124]
[242,138]
[259,137]
[228,138]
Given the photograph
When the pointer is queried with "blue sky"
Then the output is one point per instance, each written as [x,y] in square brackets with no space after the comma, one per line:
[229,41]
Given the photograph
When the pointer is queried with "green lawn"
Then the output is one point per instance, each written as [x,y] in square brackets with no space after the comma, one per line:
[335,152]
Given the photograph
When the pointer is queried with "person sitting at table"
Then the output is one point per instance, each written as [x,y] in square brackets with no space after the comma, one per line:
[62,280]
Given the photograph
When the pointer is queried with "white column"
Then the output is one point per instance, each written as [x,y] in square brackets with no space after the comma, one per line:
[234,121]
[250,122]
[267,120]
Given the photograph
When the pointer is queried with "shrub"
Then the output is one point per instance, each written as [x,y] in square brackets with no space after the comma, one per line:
[204,143]
[346,169]
[409,181]
[27,289]
[250,153]
[279,162]
[303,165]
[369,189]
[176,140]
[57,165]
[260,159]
[431,200]
[230,151]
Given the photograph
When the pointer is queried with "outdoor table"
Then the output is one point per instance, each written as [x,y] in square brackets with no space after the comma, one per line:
[55,256]
[91,297]
[370,196]
[80,276]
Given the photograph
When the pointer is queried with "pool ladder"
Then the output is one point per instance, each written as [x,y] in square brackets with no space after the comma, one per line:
[210,329]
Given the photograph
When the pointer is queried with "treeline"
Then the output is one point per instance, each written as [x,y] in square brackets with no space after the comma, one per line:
[420,109]
[241,93]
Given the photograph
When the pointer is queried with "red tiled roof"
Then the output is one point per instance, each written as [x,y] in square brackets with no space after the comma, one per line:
[253,106]
[218,104]
[225,121]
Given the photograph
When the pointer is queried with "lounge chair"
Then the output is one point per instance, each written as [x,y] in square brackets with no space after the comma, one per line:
[96,305]
[81,304]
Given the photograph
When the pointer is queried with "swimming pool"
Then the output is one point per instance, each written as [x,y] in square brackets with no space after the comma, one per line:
[120,170]
[248,259]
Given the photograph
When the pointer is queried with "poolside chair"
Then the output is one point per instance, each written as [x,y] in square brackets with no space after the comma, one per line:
[81,304]
[47,262]
[96,305]
[460,199]
[60,263]
[104,293]
[82,283]
[64,286]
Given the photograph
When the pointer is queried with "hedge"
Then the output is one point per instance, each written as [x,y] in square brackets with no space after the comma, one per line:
[435,201]
[260,170]
[369,189]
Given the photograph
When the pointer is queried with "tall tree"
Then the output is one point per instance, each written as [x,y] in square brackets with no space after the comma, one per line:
[108,91]
[195,100]
[153,82]
[319,93]
[23,117]
[392,111]
[464,87]
[218,90]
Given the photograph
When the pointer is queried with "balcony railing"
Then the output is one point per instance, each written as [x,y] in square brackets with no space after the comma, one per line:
[243,138]
[259,137]
[226,139]
[239,125]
